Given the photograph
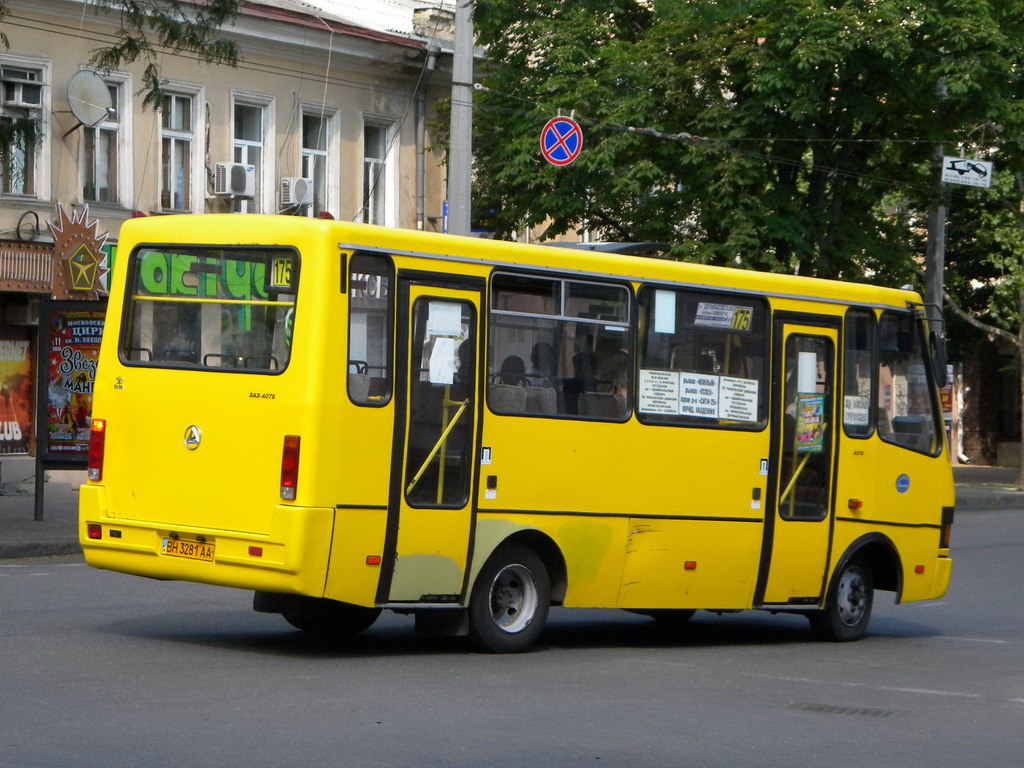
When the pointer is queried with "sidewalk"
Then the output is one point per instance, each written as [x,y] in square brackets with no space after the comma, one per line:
[57,533]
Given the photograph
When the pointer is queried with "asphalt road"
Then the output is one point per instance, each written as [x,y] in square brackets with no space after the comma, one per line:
[101,669]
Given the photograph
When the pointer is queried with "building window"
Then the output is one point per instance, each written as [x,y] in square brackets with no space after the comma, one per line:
[248,150]
[100,154]
[375,174]
[314,159]
[23,109]
[177,135]
[703,359]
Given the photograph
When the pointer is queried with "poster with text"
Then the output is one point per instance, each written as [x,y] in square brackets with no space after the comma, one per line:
[16,386]
[810,423]
[72,349]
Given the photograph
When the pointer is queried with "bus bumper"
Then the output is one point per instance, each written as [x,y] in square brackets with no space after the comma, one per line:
[292,558]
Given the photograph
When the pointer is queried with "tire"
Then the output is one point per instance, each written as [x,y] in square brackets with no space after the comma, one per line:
[329,618]
[509,602]
[847,605]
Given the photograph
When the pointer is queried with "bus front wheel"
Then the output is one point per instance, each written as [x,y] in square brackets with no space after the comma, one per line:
[847,606]
[329,618]
[509,602]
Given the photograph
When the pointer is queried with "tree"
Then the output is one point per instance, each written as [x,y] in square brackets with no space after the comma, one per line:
[144,29]
[819,120]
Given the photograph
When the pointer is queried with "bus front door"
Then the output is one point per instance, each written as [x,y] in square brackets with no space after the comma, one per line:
[430,510]
[795,556]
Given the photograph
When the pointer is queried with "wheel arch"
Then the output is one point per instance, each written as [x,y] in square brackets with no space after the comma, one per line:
[538,542]
[881,555]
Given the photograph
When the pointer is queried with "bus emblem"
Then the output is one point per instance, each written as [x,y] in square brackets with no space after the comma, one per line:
[192,437]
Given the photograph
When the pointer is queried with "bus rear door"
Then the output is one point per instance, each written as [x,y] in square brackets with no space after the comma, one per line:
[430,510]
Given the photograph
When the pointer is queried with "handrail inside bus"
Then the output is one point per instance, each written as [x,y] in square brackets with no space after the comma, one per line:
[437,446]
[793,479]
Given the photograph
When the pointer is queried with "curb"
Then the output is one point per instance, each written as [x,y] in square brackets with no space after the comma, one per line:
[39,549]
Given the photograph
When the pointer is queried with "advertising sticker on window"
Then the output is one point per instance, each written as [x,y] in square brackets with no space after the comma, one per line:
[810,422]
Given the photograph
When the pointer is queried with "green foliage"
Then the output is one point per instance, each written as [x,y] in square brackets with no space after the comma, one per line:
[148,27]
[807,106]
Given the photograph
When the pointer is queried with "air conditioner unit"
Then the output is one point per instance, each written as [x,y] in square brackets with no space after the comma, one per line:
[234,180]
[296,190]
[21,88]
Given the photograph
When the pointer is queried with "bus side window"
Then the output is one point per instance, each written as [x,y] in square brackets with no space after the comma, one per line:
[559,348]
[907,409]
[859,372]
[702,359]
[370,342]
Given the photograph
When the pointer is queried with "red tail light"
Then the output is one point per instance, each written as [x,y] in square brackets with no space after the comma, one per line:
[97,436]
[290,467]
[94,531]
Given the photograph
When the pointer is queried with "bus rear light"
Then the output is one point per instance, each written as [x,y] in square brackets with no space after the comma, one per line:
[97,437]
[947,527]
[256,551]
[373,559]
[290,467]
[918,569]
[690,565]
[94,531]
[855,504]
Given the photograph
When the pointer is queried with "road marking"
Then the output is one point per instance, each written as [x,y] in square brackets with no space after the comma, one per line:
[971,639]
[1017,701]
[50,565]
[922,691]
[667,663]
[929,692]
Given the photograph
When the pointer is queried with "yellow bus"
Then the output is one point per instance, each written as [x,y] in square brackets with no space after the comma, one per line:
[346,419]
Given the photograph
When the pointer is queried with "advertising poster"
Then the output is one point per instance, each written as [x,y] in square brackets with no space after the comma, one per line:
[810,423]
[68,363]
[16,387]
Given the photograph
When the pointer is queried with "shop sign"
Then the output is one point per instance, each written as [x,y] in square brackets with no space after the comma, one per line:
[79,258]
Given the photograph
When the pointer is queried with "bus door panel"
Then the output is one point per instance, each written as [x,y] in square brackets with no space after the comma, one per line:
[430,508]
[803,447]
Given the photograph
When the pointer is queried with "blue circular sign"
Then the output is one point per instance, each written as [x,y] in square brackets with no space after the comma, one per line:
[561,140]
[903,483]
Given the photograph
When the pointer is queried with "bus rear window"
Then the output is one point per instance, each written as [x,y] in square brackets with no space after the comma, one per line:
[211,308]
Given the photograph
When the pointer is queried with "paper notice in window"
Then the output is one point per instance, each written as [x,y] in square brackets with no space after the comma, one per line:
[442,361]
[737,399]
[659,392]
[444,318]
[698,395]
[664,311]
[855,410]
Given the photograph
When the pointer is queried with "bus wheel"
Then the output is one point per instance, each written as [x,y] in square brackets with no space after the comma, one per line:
[509,602]
[329,618]
[847,605]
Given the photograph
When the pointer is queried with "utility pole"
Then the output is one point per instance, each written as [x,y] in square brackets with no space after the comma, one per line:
[935,252]
[460,150]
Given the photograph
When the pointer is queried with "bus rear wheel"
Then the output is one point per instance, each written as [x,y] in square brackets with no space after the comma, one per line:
[509,602]
[329,618]
[847,606]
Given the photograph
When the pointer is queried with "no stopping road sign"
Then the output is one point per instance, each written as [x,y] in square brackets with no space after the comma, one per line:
[561,140]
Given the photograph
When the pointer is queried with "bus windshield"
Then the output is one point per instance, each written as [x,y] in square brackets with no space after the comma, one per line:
[211,308]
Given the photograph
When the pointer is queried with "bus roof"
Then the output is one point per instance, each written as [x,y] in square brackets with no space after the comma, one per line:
[239,229]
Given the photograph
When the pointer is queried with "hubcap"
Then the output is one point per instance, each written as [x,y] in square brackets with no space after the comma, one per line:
[513,598]
[852,597]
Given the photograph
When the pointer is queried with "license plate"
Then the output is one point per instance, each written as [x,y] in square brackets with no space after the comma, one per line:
[194,550]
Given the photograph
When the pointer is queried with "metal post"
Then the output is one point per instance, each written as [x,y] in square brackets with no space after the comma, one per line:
[460,151]
[40,486]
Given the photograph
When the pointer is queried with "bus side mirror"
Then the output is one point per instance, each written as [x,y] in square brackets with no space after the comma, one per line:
[937,350]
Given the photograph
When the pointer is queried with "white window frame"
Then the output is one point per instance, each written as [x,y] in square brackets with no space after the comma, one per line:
[333,152]
[265,201]
[42,157]
[389,174]
[125,175]
[197,187]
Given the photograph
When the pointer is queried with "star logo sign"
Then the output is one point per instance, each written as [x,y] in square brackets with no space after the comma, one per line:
[82,268]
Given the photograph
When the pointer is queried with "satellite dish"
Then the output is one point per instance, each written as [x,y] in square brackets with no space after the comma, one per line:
[89,97]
